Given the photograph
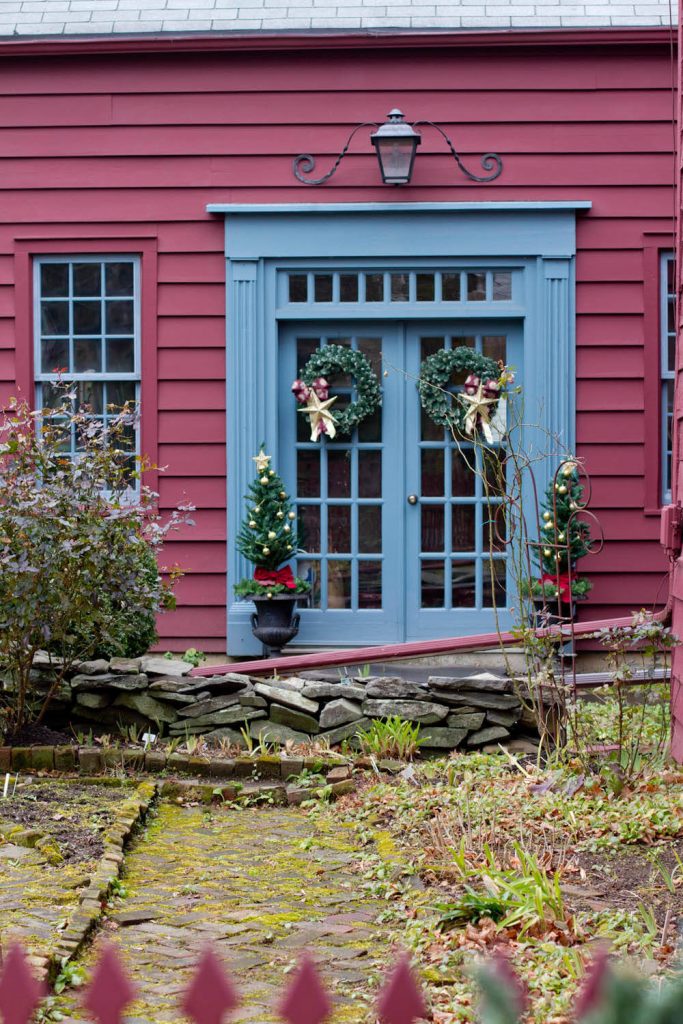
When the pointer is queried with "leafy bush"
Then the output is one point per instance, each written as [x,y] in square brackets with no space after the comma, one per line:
[78,538]
[130,630]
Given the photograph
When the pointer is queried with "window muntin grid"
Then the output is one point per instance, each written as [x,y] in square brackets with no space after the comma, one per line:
[339,495]
[393,287]
[668,366]
[87,332]
[462,550]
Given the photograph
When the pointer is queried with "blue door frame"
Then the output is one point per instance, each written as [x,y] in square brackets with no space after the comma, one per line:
[265,243]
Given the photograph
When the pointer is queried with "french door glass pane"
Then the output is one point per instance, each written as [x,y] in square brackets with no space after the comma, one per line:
[339,486]
[461,486]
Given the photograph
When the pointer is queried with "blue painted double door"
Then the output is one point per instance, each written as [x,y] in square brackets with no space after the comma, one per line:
[396,529]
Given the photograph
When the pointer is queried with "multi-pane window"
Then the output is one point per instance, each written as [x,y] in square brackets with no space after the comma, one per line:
[435,286]
[87,331]
[668,366]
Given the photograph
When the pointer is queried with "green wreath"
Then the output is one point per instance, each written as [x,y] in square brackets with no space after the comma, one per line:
[435,374]
[336,359]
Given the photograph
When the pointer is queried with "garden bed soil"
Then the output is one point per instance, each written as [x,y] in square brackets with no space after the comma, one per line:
[73,815]
[38,736]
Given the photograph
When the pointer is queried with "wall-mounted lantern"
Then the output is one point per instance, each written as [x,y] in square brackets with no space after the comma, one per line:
[395,143]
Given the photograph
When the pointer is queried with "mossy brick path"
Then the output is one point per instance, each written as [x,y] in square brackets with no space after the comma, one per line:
[260,885]
[37,897]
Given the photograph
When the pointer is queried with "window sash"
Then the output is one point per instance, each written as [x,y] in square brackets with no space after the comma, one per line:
[667,372]
[41,374]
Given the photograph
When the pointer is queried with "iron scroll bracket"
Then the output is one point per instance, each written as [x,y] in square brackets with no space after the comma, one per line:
[490,161]
[306,163]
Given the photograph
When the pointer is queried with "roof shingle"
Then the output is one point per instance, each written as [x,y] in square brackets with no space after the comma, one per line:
[102,17]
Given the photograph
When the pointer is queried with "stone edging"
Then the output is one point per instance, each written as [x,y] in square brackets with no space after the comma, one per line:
[91,761]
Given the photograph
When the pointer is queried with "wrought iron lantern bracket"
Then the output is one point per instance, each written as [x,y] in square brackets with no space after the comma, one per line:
[304,164]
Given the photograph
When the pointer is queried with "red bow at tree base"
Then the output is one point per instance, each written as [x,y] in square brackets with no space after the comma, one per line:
[276,577]
[562,582]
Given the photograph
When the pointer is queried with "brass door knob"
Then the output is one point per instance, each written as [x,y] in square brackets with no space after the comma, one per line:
[412,499]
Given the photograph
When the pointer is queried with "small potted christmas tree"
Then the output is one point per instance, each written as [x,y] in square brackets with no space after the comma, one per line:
[268,539]
[565,538]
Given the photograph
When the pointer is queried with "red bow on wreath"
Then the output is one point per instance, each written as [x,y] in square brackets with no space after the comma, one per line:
[302,392]
[275,577]
[562,582]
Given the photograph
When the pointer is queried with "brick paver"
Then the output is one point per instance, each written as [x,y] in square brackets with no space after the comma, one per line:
[260,885]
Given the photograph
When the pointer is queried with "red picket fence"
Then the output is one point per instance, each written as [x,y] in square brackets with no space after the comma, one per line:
[210,996]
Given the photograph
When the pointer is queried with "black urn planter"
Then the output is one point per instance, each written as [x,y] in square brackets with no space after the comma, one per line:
[275,622]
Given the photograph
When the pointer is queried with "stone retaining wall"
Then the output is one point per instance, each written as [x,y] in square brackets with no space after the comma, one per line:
[157,694]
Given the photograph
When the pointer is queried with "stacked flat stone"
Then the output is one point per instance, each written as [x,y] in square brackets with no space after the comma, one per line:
[470,711]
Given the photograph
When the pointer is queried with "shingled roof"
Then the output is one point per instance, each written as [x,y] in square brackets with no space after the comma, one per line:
[102,17]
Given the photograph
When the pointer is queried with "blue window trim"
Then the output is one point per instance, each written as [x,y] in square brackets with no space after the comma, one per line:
[134,376]
[260,241]
[667,373]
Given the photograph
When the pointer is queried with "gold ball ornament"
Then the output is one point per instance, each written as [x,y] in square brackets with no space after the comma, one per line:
[291,515]
[280,515]
[285,529]
[266,551]
[269,594]
[289,547]
[547,552]
[283,494]
[252,524]
[257,508]
[549,525]
[547,515]
[271,535]
[561,536]
[271,472]
[562,488]
[263,480]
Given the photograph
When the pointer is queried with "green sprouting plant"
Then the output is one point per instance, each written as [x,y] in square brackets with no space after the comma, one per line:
[248,740]
[364,671]
[117,889]
[391,737]
[84,739]
[70,976]
[633,720]
[193,657]
[307,779]
[521,897]
[670,876]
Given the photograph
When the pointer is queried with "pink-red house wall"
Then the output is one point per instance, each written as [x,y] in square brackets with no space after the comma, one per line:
[123,151]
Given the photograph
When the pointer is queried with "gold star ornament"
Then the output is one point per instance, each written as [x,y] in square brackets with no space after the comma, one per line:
[261,461]
[321,419]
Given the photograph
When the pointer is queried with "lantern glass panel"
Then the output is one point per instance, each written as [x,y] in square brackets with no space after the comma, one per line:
[396,159]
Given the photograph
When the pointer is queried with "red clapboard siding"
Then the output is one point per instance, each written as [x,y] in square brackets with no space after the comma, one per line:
[636,555]
[511,72]
[203,364]
[192,299]
[203,493]
[593,395]
[193,427]
[609,330]
[202,556]
[596,364]
[613,460]
[196,459]
[603,265]
[191,394]
[202,590]
[176,332]
[99,148]
[318,106]
[184,268]
[212,140]
[609,297]
[617,427]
